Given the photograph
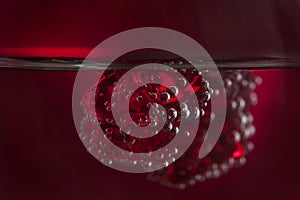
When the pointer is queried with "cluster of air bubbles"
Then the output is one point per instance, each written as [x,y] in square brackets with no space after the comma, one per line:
[152,106]
[234,143]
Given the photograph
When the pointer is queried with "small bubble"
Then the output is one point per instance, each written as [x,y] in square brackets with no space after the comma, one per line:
[109,120]
[166,164]
[172,114]
[250,118]
[238,77]
[168,127]
[258,80]
[155,77]
[249,146]
[182,82]
[241,103]
[252,85]
[236,136]
[155,105]
[174,90]
[129,141]
[228,83]
[245,83]
[216,92]
[175,151]
[252,130]
[149,164]
[233,104]
[199,178]
[247,133]
[149,105]
[108,136]
[202,112]
[139,98]
[243,119]
[165,96]
[253,98]
[161,156]
[176,130]
[187,133]
[185,113]
[240,161]
[153,123]
[109,130]
[195,113]
[108,108]
[183,106]
[153,95]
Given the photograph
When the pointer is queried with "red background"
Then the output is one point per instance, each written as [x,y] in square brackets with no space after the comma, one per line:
[41,156]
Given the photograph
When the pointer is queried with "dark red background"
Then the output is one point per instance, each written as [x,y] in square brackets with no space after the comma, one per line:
[41,156]
[225,28]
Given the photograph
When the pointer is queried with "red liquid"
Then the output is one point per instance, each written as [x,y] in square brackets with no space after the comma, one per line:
[42,156]
[230,151]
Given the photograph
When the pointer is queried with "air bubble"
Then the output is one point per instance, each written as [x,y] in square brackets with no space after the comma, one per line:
[245,83]
[258,80]
[185,113]
[233,104]
[195,113]
[249,146]
[101,94]
[165,96]
[168,127]
[172,114]
[108,108]
[216,92]
[228,83]
[183,105]
[155,77]
[153,95]
[242,103]
[187,133]
[153,123]
[109,120]
[253,98]
[174,90]
[129,141]
[176,131]
[238,77]
[236,136]
[175,151]
[139,98]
